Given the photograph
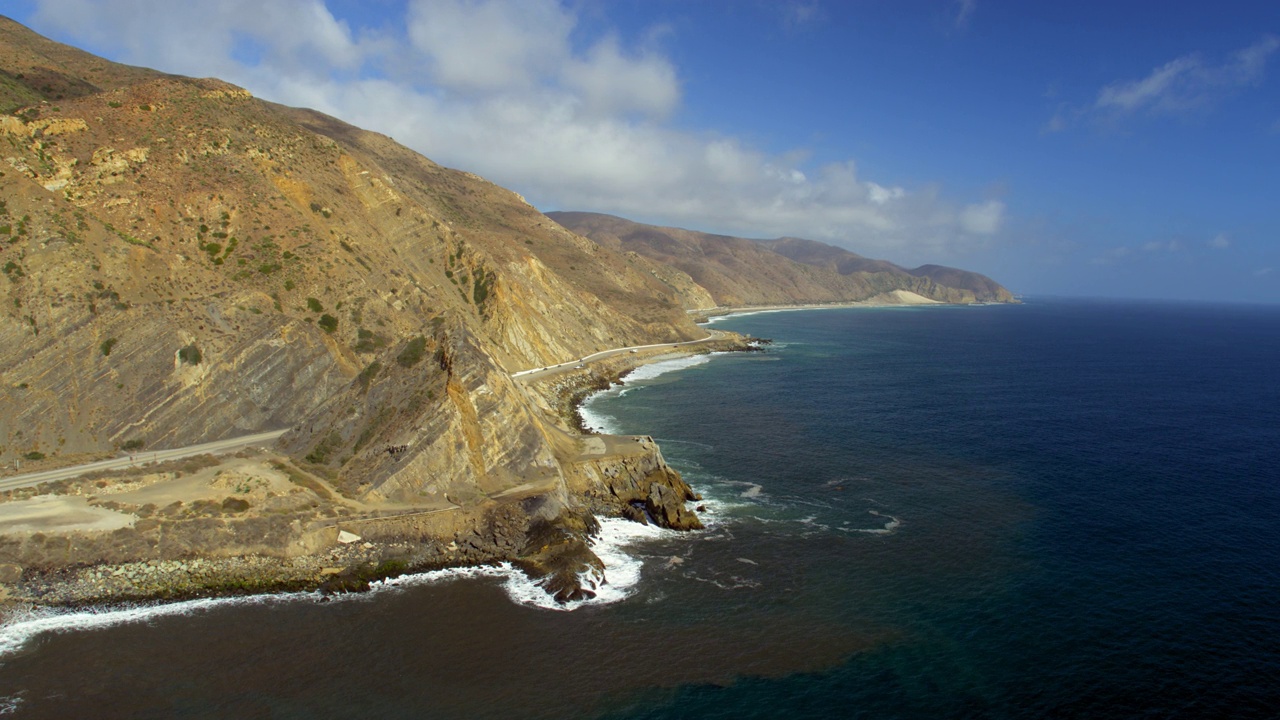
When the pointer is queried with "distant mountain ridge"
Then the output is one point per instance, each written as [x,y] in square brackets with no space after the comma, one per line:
[743,271]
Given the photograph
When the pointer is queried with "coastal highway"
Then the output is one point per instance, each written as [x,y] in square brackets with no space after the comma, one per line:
[536,373]
[219,446]
[222,446]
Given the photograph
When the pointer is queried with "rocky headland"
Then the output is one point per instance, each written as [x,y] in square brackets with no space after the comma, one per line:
[186,263]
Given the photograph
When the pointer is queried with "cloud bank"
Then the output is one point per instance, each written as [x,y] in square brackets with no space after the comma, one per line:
[513,91]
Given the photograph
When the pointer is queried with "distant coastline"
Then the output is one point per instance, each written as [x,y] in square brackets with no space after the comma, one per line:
[898,298]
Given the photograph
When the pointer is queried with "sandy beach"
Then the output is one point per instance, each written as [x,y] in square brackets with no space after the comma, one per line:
[897,298]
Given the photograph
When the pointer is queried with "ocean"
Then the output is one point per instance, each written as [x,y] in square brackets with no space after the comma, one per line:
[1066,508]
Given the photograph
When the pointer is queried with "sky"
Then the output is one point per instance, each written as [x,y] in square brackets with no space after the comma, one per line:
[1104,149]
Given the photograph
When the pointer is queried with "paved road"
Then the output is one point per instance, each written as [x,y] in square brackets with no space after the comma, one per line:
[537,373]
[220,446]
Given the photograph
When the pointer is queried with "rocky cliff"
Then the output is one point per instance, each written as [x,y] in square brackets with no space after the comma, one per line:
[184,262]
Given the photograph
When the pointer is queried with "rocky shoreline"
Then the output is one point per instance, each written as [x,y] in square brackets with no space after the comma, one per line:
[324,546]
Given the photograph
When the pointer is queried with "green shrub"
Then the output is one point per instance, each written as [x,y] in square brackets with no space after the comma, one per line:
[134,444]
[107,345]
[314,305]
[328,323]
[412,353]
[190,355]
[369,372]
[368,341]
[320,454]
[34,455]
[480,292]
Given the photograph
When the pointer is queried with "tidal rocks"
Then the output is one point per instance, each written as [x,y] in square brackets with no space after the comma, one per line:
[665,502]
[557,557]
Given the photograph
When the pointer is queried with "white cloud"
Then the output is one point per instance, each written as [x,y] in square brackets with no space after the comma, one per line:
[511,90]
[489,46]
[963,10]
[1158,90]
[1183,85]
[1113,256]
[797,14]
[881,195]
[982,219]
[611,83]
[1125,253]
[1220,241]
[297,37]
[1162,246]
[1263,272]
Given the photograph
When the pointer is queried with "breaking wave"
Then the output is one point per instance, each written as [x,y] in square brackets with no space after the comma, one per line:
[594,419]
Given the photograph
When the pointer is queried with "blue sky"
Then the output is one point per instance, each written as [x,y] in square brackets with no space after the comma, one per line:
[1116,149]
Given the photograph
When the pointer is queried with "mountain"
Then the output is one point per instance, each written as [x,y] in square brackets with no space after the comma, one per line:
[739,271]
[146,213]
[184,262]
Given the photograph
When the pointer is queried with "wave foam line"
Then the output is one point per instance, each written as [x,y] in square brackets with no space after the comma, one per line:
[621,576]
[594,419]
[893,524]
[24,626]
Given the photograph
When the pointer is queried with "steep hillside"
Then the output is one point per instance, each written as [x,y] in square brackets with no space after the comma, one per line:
[175,248]
[810,252]
[983,287]
[739,271]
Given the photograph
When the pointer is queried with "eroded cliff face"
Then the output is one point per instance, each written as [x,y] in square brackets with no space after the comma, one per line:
[634,482]
[440,423]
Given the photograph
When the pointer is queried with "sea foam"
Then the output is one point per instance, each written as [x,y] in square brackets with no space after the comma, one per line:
[620,578]
[594,419]
[618,582]
[23,626]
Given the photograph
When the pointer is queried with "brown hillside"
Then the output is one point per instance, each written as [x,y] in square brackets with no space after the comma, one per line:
[739,271]
[148,219]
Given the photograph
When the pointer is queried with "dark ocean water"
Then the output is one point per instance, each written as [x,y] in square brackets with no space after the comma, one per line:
[1060,509]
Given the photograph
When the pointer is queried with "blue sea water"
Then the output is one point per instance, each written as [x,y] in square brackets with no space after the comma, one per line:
[1088,492]
[1060,509]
